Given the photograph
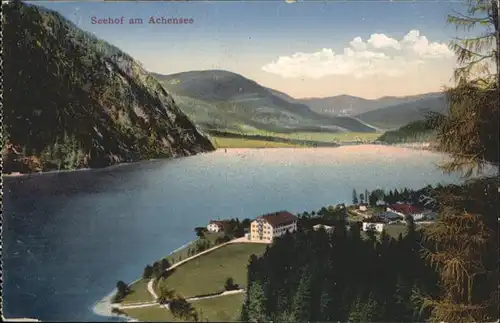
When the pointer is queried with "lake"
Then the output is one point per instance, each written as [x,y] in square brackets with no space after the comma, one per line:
[69,236]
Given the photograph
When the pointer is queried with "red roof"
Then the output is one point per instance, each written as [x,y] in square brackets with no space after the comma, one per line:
[219,223]
[405,208]
[279,218]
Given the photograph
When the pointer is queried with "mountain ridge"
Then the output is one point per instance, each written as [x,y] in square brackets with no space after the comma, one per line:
[72,100]
[348,105]
[246,104]
[396,116]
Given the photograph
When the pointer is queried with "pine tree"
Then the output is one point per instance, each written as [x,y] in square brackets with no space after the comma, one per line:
[281,303]
[256,308]
[464,251]
[325,305]
[477,55]
[354,196]
[470,131]
[148,272]
[397,196]
[355,314]
[372,310]
[463,245]
[157,272]
[301,304]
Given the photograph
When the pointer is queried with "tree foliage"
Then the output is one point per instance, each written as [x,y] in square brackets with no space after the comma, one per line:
[464,251]
[183,309]
[477,55]
[463,246]
[315,276]
[470,132]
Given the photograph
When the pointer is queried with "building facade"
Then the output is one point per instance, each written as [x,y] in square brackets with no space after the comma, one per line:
[406,209]
[378,227]
[215,226]
[327,228]
[270,226]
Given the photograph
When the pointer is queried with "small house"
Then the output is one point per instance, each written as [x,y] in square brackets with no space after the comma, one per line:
[215,226]
[378,227]
[327,228]
[405,210]
[390,216]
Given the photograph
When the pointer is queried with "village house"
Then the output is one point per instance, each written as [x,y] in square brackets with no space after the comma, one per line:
[270,226]
[215,226]
[406,209]
[390,216]
[378,227]
[327,228]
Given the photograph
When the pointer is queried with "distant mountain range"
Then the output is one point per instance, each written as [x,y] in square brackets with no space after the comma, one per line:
[398,115]
[222,100]
[346,105]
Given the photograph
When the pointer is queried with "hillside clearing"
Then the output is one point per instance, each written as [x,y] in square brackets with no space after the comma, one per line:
[221,142]
[219,309]
[207,274]
[327,136]
[139,293]
[151,314]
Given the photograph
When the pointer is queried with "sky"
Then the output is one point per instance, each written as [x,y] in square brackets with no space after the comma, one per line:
[368,49]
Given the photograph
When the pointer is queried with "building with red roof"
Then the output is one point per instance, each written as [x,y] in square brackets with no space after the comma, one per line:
[216,226]
[405,209]
[267,227]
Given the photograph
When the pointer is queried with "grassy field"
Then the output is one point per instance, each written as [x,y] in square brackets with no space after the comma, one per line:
[208,273]
[151,314]
[220,309]
[139,293]
[139,288]
[327,136]
[221,142]
[183,253]
[394,230]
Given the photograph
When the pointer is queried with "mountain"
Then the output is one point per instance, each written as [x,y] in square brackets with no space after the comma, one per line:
[399,115]
[341,105]
[222,100]
[72,100]
[346,105]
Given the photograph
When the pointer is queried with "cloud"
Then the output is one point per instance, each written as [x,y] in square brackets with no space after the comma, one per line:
[382,41]
[379,55]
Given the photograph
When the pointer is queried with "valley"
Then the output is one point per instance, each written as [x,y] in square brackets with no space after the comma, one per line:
[226,104]
[131,114]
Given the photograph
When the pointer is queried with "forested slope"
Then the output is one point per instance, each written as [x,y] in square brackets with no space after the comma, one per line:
[72,100]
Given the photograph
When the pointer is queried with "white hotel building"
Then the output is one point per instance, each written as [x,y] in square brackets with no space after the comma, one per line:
[267,227]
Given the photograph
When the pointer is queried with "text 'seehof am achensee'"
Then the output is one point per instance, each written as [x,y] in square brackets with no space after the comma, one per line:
[140,21]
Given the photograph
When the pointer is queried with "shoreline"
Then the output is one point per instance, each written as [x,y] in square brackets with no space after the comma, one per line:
[104,306]
[18,174]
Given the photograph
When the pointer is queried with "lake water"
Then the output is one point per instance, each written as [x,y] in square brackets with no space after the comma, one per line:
[68,237]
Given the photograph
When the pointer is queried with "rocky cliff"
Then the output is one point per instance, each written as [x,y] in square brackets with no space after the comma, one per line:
[72,100]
